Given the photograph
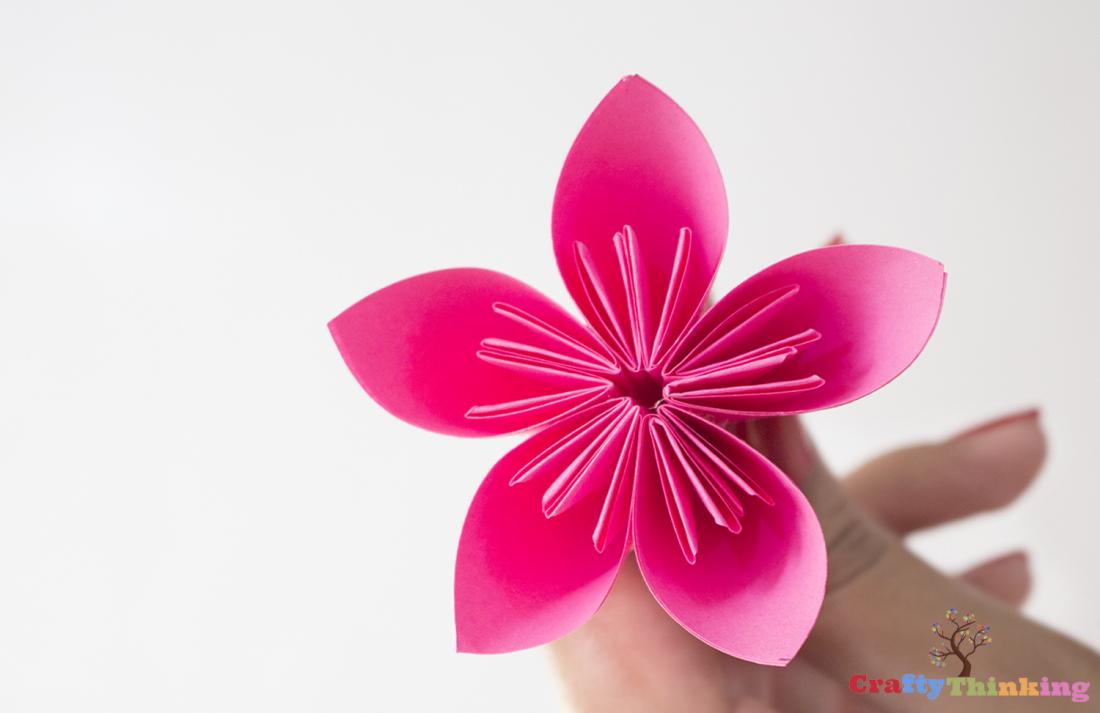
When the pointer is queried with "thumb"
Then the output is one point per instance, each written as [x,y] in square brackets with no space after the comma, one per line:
[855,542]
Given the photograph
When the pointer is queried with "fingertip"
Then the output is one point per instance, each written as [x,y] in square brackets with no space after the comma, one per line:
[1003,457]
[1032,415]
[981,469]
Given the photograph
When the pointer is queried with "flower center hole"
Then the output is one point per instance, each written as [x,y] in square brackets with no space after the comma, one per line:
[645,387]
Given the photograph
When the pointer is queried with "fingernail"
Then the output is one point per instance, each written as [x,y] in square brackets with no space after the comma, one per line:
[1031,414]
[1020,555]
[1001,457]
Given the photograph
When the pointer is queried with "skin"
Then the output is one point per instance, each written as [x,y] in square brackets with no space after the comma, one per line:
[880,598]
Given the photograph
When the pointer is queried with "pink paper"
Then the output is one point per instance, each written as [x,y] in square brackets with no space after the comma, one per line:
[421,348]
[625,450]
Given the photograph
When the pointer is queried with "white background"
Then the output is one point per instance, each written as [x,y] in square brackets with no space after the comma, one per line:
[200,510]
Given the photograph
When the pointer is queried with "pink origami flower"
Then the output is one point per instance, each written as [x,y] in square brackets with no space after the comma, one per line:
[626,452]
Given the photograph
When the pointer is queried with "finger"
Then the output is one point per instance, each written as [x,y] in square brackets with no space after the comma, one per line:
[632,656]
[1007,578]
[853,540]
[880,622]
[802,687]
[982,469]
[880,597]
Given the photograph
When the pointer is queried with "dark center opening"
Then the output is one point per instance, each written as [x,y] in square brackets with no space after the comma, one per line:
[644,387]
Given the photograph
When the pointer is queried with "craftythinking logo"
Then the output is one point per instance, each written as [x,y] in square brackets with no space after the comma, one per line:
[959,643]
[958,640]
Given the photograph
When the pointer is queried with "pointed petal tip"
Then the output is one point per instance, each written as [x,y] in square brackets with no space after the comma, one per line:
[464,645]
[637,82]
[639,159]
[470,640]
[780,659]
[412,346]
[640,82]
[336,326]
[522,579]
[880,322]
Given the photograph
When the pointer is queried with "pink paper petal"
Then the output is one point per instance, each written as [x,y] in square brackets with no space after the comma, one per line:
[639,161]
[754,594]
[523,578]
[874,307]
[417,348]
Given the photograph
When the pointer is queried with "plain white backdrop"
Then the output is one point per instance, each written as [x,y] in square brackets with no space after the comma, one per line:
[201,511]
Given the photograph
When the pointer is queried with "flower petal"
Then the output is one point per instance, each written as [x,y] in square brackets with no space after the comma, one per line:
[854,316]
[754,595]
[523,578]
[640,161]
[417,348]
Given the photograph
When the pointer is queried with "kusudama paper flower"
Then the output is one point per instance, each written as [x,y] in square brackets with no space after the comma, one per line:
[626,451]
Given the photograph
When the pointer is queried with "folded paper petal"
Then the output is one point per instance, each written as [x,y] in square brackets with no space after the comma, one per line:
[640,161]
[754,594]
[523,578]
[846,319]
[431,348]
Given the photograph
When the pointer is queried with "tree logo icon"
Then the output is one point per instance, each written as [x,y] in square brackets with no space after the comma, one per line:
[966,637]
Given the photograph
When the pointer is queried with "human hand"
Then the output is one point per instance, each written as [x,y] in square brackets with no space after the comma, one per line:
[879,601]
